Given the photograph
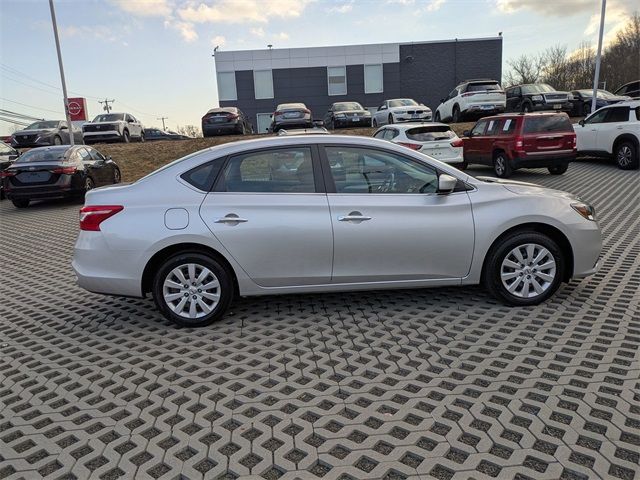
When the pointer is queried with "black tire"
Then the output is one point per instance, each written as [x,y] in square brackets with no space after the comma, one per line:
[141,139]
[558,169]
[491,277]
[586,109]
[57,140]
[125,136]
[374,123]
[225,289]
[455,115]
[390,119]
[117,176]
[526,107]
[462,166]
[501,166]
[626,155]
[436,117]
[89,184]
[20,202]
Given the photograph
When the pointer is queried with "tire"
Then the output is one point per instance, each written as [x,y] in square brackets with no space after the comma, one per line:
[117,176]
[626,155]
[125,136]
[455,115]
[141,139]
[586,110]
[461,166]
[89,184]
[196,316]
[558,169]
[526,107]
[390,119]
[519,275]
[57,140]
[20,202]
[374,123]
[436,117]
[501,166]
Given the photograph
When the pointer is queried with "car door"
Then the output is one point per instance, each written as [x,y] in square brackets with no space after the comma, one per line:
[388,221]
[270,212]
[447,106]
[63,132]
[134,126]
[104,168]
[513,99]
[473,143]
[587,131]
[94,171]
[616,122]
[382,114]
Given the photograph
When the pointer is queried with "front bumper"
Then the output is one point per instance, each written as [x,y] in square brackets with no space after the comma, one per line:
[400,118]
[586,243]
[101,136]
[36,142]
[553,107]
[349,122]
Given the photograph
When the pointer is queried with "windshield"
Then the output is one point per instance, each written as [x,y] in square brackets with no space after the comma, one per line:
[43,125]
[6,149]
[43,155]
[539,88]
[431,133]
[346,107]
[402,102]
[109,117]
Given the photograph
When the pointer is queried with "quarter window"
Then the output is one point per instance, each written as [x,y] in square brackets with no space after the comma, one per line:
[263,83]
[337,80]
[373,79]
[618,114]
[276,171]
[203,176]
[85,156]
[227,86]
[363,171]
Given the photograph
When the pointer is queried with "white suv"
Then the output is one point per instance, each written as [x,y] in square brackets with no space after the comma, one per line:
[472,97]
[612,131]
[119,127]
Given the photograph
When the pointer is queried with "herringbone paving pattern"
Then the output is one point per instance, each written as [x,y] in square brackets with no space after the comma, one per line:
[443,383]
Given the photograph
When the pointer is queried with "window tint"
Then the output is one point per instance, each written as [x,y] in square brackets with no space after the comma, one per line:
[363,170]
[507,127]
[337,80]
[479,128]
[85,156]
[390,133]
[203,176]
[598,117]
[277,171]
[547,123]
[95,155]
[493,127]
[430,134]
[618,114]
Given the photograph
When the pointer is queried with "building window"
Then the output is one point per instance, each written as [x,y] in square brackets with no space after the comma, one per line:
[263,83]
[373,79]
[227,86]
[337,77]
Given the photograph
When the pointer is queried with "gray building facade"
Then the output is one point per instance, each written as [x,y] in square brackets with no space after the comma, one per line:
[256,81]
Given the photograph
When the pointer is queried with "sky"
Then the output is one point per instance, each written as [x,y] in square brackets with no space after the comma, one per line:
[154,57]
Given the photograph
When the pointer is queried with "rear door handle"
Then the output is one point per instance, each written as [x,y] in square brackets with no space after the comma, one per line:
[231,218]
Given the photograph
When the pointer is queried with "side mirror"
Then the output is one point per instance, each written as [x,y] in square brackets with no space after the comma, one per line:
[318,123]
[581,122]
[466,133]
[446,183]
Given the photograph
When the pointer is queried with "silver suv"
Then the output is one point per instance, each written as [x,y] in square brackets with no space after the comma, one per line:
[113,127]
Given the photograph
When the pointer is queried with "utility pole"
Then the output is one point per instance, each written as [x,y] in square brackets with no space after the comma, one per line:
[62,79]
[596,77]
[163,119]
[106,104]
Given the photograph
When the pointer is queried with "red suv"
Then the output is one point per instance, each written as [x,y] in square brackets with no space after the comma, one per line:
[522,140]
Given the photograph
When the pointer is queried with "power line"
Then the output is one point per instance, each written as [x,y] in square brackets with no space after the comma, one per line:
[21,116]
[15,122]
[30,106]
[15,71]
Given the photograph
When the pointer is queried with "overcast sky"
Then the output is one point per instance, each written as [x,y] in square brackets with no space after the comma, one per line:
[154,56]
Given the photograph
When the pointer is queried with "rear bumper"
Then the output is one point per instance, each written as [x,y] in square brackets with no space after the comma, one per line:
[293,122]
[66,186]
[488,109]
[221,129]
[551,159]
[451,159]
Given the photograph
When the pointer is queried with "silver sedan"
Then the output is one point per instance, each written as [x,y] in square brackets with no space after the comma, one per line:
[325,213]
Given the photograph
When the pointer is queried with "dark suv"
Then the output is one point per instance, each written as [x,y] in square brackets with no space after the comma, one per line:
[535,97]
[522,140]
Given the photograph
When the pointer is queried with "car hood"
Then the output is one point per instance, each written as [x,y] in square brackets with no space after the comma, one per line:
[410,107]
[524,188]
[36,132]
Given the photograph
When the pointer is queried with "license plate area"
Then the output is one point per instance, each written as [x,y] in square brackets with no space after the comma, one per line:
[291,115]
[34,177]
[557,106]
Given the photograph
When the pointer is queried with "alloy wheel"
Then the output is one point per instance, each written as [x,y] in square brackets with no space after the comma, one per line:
[191,291]
[500,165]
[624,155]
[528,270]
[88,184]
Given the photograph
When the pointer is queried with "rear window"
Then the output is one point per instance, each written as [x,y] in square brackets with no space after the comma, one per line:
[430,134]
[43,155]
[547,123]
[481,87]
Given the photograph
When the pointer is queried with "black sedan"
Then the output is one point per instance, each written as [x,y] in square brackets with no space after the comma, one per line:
[8,155]
[46,132]
[582,101]
[347,114]
[225,121]
[152,134]
[60,171]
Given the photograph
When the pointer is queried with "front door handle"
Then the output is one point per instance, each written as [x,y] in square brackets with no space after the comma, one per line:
[231,218]
[353,217]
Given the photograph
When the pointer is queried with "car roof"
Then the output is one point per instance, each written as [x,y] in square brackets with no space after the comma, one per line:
[630,103]
[222,109]
[292,105]
[480,80]
[408,125]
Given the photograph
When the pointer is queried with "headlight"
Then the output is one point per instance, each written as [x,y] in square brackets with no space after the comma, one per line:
[585,210]
[570,97]
[537,98]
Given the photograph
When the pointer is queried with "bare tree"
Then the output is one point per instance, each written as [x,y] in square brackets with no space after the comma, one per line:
[190,130]
[554,67]
[524,69]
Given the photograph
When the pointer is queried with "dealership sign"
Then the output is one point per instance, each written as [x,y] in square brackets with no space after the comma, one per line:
[77,109]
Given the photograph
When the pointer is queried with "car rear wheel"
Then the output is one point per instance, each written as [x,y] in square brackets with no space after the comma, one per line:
[374,123]
[20,202]
[586,109]
[455,116]
[125,136]
[141,138]
[627,156]
[501,165]
[525,268]
[526,107]
[88,184]
[57,140]
[558,169]
[390,119]
[117,176]
[192,290]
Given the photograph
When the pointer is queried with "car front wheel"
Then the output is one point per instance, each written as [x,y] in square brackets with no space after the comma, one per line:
[501,165]
[20,202]
[526,268]
[627,156]
[192,290]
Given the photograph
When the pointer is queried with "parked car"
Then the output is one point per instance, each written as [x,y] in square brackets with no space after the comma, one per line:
[434,139]
[612,131]
[582,100]
[631,89]
[471,98]
[60,171]
[347,114]
[154,134]
[225,121]
[288,115]
[113,127]
[8,155]
[46,132]
[536,97]
[526,140]
[356,213]
[399,110]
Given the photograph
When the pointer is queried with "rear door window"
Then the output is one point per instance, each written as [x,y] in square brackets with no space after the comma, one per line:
[493,127]
[84,154]
[430,134]
[617,114]
[380,134]
[547,123]
[507,127]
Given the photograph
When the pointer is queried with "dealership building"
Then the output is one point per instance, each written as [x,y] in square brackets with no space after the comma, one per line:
[256,81]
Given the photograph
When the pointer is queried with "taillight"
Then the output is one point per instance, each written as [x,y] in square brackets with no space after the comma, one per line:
[92,216]
[232,116]
[306,110]
[519,143]
[457,143]
[277,113]
[412,146]
[468,94]
[7,173]
[574,142]
[64,170]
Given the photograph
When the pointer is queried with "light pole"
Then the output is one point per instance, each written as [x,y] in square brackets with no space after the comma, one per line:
[64,83]
[596,77]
